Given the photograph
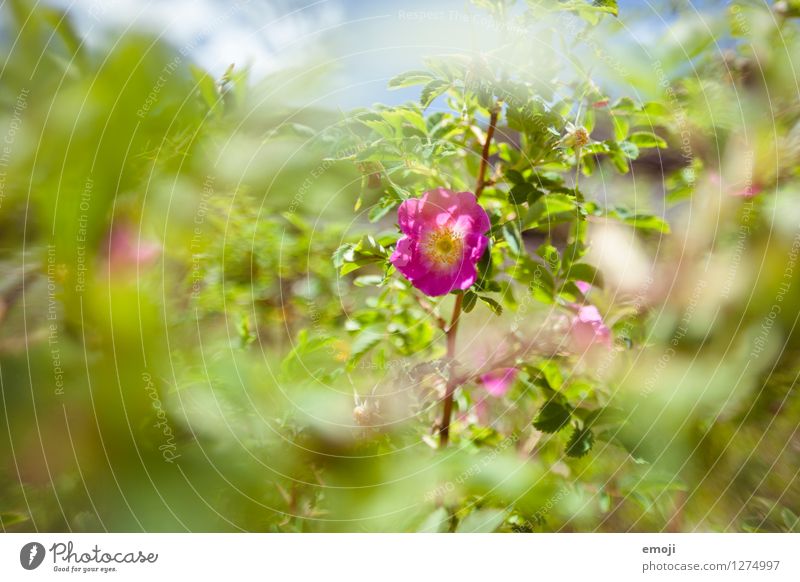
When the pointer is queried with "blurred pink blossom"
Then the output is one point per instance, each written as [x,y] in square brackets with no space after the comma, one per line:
[748,191]
[588,329]
[126,251]
[497,382]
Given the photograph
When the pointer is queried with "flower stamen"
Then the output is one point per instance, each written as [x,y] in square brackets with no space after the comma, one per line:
[444,246]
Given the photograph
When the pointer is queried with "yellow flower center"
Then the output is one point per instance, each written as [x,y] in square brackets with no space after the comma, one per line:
[444,247]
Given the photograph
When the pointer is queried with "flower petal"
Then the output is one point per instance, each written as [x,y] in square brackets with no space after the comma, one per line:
[438,225]
[497,382]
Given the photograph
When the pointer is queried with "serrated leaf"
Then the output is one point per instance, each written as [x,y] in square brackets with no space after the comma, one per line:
[552,417]
[482,521]
[431,91]
[580,442]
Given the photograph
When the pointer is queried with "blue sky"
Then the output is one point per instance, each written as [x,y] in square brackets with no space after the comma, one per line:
[365,42]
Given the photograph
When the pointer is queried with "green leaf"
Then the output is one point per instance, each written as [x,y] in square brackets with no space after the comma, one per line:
[624,105]
[436,522]
[547,207]
[574,251]
[595,148]
[9,518]
[630,149]
[552,417]
[340,255]
[587,7]
[618,156]
[368,281]
[551,373]
[646,139]
[520,192]
[648,222]
[469,301]
[367,339]
[550,255]
[541,283]
[580,442]
[206,86]
[496,308]
[290,130]
[431,91]
[349,257]
[621,127]
[513,238]
[609,6]
[482,521]
[791,520]
[410,78]
[371,247]
[515,177]
[585,272]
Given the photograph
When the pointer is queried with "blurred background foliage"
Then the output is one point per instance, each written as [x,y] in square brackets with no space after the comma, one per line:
[199,330]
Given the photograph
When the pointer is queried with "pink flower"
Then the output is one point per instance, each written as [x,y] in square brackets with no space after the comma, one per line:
[588,329]
[748,191]
[583,286]
[444,239]
[497,382]
[126,250]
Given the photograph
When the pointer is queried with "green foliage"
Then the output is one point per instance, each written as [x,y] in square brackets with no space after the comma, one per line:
[302,377]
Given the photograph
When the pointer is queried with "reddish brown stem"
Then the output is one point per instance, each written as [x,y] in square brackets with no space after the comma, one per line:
[452,379]
[485,154]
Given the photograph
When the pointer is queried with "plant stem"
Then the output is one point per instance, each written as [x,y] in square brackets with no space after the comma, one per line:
[485,153]
[452,380]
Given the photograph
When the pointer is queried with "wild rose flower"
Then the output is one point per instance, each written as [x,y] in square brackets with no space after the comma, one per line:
[444,239]
[588,329]
[497,382]
[126,251]
[583,286]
